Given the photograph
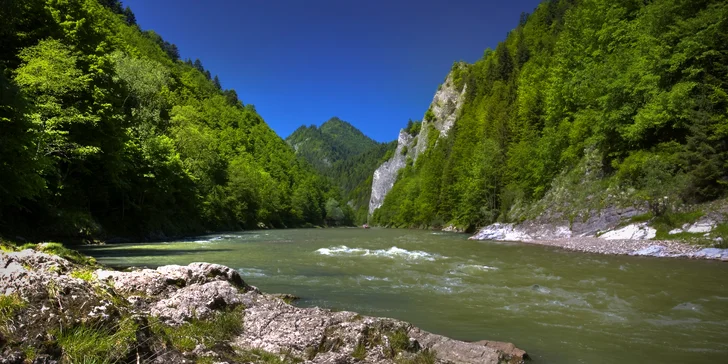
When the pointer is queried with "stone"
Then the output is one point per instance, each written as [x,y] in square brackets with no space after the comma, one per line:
[167,279]
[453,229]
[508,349]
[704,226]
[196,301]
[631,232]
[711,253]
[499,231]
[652,251]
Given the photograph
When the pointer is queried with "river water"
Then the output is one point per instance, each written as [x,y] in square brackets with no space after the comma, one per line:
[559,306]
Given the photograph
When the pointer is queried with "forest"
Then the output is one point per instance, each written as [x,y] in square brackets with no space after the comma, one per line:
[627,96]
[105,131]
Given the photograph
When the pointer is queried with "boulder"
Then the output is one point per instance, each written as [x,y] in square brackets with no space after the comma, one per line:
[196,301]
[631,232]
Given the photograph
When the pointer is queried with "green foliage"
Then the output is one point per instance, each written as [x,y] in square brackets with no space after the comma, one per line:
[429,115]
[84,274]
[348,158]
[334,213]
[426,356]
[221,328]
[413,127]
[398,340]
[721,231]
[18,165]
[360,351]
[631,94]
[335,140]
[672,220]
[65,253]
[10,305]
[103,131]
[95,343]
[261,356]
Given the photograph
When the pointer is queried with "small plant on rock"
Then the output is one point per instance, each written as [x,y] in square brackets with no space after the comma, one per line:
[9,306]
[221,328]
[97,343]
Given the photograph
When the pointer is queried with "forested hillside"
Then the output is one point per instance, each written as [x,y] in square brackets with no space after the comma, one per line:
[346,156]
[333,141]
[627,100]
[105,131]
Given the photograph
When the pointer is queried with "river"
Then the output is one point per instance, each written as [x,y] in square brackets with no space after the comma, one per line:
[559,306]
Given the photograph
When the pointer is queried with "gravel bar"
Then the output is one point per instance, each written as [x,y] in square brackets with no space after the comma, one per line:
[618,247]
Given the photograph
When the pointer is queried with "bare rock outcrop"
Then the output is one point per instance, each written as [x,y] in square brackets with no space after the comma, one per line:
[440,118]
[386,174]
[196,301]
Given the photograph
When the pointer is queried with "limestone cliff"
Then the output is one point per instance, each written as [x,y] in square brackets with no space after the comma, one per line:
[386,174]
[440,118]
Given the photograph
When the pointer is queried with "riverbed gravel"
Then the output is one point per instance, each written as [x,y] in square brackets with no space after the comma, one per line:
[618,247]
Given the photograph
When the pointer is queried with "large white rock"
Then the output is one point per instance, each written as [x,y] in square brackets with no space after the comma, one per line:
[631,232]
[700,227]
[503,232]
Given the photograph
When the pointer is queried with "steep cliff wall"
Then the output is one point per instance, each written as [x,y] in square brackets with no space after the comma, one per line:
[440,116]
[386,174]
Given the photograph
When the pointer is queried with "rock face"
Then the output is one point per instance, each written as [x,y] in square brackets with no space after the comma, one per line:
[386,174]
[51,299]
[444,109]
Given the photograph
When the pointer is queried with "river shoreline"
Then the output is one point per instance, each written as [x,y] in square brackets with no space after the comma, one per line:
[200,312]
[596,245]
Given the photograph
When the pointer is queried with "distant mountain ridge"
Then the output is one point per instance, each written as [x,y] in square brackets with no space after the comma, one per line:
[343,153]
[333,141]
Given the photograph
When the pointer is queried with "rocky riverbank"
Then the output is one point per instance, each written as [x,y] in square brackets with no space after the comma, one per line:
[632,239]
[66,309]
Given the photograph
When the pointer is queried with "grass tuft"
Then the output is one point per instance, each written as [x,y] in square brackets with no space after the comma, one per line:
[85,274]
[423,357]
[29,354]
[262,356]
[10,305]
[398,342]
[63,252]
[223,327]
[721,231]
[641,218]
[96,343]
[360,351]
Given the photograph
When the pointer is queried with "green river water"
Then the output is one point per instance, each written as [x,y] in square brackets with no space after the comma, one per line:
[559,306]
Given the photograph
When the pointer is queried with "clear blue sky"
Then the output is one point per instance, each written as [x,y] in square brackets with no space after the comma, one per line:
[373,63]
